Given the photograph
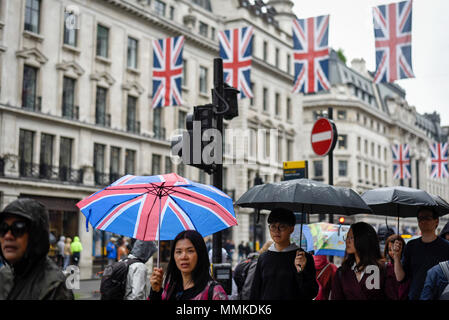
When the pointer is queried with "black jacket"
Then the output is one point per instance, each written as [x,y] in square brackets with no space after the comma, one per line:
[35,277]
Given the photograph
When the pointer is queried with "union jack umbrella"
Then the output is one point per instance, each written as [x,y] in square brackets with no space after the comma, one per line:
[401,161]
[439,154]
[393,35]
[167,71]
[158,207]
[311,54]
[236,50]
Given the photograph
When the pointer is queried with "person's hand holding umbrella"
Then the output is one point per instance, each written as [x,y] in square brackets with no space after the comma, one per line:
[300,260]
[156,279]
[397,251]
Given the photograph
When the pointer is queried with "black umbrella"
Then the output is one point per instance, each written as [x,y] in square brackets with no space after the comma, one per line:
[402,202]
[304,195]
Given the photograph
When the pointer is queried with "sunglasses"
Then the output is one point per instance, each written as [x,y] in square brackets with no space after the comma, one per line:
[18,228]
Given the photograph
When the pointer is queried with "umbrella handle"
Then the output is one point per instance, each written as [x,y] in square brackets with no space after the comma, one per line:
[159,237]
[300,236]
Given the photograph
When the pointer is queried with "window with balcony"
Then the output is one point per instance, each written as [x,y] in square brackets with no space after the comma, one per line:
[46,156]
[204,29]
[100,106]
[132,53]
[155,164]
[131,115]
[32,15]
[114,164]
[70,29]
[160,7]
[68,98]
[29,88]
[99,174]
[130,161]
[102,41]
[26,155]
[65,158]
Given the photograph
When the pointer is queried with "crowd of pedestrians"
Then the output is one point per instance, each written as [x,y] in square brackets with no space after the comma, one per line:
[280,270]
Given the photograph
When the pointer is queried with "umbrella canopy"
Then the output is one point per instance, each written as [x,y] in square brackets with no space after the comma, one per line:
[323,238]
[400,201]
[442,205]
[304,195]
[158,207]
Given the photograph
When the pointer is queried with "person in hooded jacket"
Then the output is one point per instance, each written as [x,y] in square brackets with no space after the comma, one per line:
[137,281]
[444,234]
[28,274]
[76,247]
[325,272]
[60,257]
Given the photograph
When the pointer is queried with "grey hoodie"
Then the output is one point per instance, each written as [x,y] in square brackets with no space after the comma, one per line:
[137,283]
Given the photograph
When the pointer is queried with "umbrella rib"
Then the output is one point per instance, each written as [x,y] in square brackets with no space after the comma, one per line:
[148,218]
[183,211]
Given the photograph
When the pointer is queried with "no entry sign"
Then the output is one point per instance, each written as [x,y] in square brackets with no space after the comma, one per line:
[324,136]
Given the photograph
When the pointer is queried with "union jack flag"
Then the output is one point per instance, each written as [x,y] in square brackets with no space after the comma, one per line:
[439,154]
[167,71]
[401,161]
[311,54]
[236,50]
[393,35]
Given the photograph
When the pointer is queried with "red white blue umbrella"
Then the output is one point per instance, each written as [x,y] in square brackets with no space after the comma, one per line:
[158,207]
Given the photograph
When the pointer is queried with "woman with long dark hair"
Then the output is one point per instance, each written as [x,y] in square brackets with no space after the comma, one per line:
[362,275]
[188,276]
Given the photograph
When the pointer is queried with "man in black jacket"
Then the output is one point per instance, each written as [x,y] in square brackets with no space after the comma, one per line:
[285,271]
[28,274]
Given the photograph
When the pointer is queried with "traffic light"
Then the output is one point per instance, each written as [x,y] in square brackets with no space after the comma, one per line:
[341,220]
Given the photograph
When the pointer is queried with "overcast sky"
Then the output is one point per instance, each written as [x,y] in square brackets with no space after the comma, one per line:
[351,29]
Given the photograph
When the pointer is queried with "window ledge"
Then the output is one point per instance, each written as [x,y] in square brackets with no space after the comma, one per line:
[184,88]
[103,60]
[132,70]
[204,95]
[70,48]
[33,36]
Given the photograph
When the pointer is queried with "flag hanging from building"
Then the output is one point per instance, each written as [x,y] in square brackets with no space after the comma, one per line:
[311,54]
[401,161]
[393,37]
[439,166]
[167,71]
[236,50]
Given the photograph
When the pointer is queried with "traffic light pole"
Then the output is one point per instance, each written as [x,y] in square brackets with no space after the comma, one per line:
[330,116]
[218,172]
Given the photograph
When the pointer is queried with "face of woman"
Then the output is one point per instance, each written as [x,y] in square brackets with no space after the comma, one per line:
[350,248]
[390,249]
[185,256]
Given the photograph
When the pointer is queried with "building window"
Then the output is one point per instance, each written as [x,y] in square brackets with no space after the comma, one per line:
[318,168]
[265,51]
[341,114]
[132,53]
[276,60]
[289,63]
[204,28]
[100,106]
[99,152]
[289,109]
[29,88]
[203,80]
[182,119]
[65,158]
[372,149]
[289,150]
[212,33]
[131,115]
[265,99]
[359,143]
[172,13]
[114,165]
[26,148]
[342,168]
[32,15]
[130,161]
[156,164]
[359,170]
[159,7]
[251,99]
[102,41]
[277,103]
[168,165]
[181,169]
[159,131]
[318,114]
[68,97]
[342,141]
[70,29]
[184,73]
[366,173]
[46,156]
[280,155]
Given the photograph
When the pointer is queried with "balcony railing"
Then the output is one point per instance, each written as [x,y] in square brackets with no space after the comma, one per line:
[101,178]
[49,172]
[159,133]
[133,127]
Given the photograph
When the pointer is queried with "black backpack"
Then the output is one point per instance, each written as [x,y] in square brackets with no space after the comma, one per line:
[445,267]
[113,282]
[244,275]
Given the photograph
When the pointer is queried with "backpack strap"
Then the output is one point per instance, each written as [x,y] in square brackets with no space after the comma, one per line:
[445,267]
[322,270]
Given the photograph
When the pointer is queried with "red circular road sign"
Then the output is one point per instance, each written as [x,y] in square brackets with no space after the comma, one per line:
[324,136]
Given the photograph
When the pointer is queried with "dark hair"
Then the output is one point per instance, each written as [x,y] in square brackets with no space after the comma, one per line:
[392,239]
[435,214]
[366,244]
[200,274]
[282,216]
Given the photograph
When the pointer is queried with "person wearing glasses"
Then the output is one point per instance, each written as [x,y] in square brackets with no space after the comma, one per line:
[422,254]
[285,271]
[28,274]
